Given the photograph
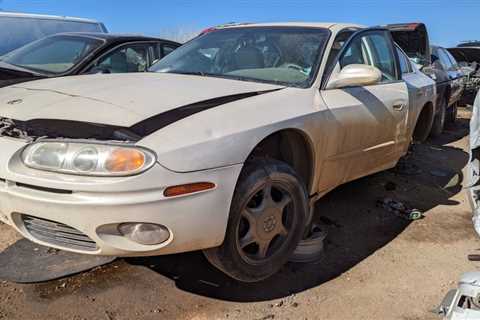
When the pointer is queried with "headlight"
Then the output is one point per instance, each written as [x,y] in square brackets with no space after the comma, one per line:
[88,158]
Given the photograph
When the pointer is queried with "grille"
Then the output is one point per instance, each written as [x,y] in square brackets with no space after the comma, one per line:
[58,234]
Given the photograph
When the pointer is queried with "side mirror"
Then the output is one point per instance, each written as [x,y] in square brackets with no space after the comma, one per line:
[355,75]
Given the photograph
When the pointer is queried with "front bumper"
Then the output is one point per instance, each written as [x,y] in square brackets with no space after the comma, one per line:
[92,207]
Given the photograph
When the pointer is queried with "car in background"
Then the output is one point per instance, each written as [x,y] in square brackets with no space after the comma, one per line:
[450,85]
[438,64]
[468,57]
[18,29]
[224,147]
[413,49]
[470,43]
[69,54]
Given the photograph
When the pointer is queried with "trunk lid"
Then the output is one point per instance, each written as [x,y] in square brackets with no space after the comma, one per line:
[413,39]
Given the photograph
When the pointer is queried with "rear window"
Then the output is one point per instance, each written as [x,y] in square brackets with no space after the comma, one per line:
[18,31]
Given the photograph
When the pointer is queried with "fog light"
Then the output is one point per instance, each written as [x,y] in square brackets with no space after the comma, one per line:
[144,233]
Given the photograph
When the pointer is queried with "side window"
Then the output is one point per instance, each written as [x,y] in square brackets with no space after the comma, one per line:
[355,53]
[452,60]
[405,66]
[444,60]
[337,45]
[372,48]
[129,58]
[167,49]
[382,55]
[156,52]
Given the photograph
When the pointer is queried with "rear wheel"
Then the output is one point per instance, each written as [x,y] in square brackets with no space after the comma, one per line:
[439,120]
[266,222]
[451,115]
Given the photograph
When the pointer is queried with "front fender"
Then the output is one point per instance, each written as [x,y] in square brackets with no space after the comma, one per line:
[226,135]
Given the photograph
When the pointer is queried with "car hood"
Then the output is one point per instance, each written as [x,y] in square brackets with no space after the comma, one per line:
[465,54]
[120,100]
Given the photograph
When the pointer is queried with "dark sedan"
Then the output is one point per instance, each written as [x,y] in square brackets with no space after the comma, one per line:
[82,53]
[438,64]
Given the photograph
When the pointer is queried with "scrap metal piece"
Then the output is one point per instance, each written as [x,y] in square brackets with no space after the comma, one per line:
[463,302]
[399,209]
[27,262]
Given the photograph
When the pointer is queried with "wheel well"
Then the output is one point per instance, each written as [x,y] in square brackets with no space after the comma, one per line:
[290,146]
[424,123]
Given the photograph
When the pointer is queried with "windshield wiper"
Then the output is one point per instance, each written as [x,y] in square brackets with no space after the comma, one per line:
[231,77]
[191,73]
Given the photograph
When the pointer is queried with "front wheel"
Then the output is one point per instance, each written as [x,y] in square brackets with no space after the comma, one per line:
[451,115]
[266,222]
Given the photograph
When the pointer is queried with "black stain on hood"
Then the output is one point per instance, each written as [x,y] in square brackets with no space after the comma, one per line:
[159,121]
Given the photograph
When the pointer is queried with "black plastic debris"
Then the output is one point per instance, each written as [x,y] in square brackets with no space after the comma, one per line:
[399,209]
[27,262]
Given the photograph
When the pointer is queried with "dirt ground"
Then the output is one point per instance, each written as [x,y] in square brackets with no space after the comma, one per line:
[375,266]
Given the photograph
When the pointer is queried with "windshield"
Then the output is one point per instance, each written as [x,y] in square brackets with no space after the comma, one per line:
[18,31]
[280,55]
[52,55]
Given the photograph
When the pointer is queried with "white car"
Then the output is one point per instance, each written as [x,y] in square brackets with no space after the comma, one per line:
[224,148]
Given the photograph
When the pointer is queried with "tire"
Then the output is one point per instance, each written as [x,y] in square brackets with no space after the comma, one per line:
[451,115]
[439,120]
[266,222]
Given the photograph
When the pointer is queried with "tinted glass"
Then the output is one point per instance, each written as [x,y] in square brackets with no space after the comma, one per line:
[123,60]
[52,55]
[167,49]
[444,59]
[16,32]
[382,55]
[283,55]
[355,53]
[405,66]
[452,60]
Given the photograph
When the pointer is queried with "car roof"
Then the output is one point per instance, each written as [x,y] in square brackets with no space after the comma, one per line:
[43,16]
[111,37]
[325,25]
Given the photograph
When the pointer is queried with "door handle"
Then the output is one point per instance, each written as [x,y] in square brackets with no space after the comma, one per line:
[399,107]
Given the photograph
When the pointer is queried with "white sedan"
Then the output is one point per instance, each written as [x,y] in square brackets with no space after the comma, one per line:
[223,148]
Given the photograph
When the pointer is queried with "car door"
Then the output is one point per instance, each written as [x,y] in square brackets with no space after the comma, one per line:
[453,75]
[418,89]
[126,58]
[371,121]
[458,75]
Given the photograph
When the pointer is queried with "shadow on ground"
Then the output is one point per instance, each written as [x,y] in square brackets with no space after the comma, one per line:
[429,176]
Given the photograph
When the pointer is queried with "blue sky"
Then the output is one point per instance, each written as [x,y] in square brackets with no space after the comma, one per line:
[448,21]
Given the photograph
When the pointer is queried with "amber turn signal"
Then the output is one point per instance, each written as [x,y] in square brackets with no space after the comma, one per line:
[125,159]
[187,188]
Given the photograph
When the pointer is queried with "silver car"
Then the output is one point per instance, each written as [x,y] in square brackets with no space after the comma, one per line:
[223,147]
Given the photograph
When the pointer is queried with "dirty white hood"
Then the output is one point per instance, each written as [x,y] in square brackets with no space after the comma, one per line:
[121,99]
